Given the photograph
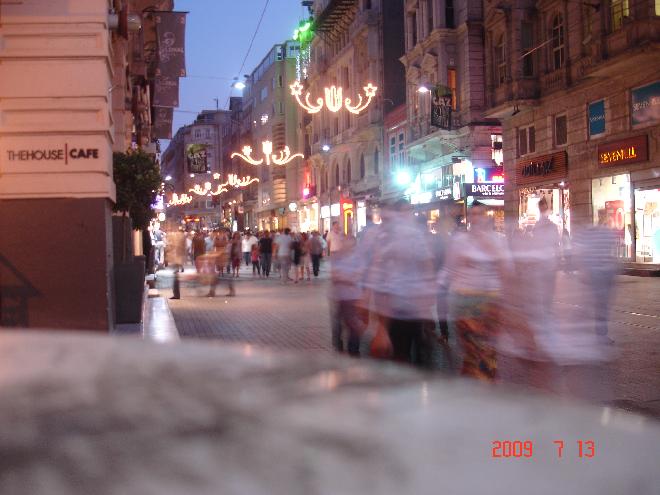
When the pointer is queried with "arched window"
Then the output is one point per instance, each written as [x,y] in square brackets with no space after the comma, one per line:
[337,174]
[500,60]
[558,56]
[376,160]
[362,167]
[347,172]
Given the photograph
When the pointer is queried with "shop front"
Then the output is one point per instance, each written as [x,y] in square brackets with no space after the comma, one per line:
[308,216]
[490,194]
[630,199]
[442,212]
[543,177]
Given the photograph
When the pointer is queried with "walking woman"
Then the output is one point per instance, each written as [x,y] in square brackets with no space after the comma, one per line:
[305,257]
[236,253]
[476,266]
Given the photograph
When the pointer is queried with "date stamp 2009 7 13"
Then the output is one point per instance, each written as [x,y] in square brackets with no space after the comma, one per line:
[586,449]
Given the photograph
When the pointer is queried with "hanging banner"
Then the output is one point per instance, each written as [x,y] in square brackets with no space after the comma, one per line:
[163,122]
[166,91]
[171,31]
[441,107]
[197,158]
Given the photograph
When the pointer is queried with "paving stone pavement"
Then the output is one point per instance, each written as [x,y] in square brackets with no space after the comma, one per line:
[296,316]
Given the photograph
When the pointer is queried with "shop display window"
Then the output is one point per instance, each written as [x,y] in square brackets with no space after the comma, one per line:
[557,199]
[612,195]
[647,225]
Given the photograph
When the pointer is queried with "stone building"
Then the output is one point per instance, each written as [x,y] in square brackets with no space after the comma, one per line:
[357,42]
[196,155]
[269,115]
[450,142]
[577,87]
[71,93]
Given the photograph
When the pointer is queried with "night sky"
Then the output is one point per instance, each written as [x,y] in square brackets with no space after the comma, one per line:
[218,33]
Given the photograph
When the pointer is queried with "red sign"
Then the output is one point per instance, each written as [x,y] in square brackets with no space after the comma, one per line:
[616,216]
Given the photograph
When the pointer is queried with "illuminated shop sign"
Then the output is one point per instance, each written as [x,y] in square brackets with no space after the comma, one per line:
[484,189]
[542,168]
[445,193]
[625,151]
[325,211]
[67,153]
[335,210]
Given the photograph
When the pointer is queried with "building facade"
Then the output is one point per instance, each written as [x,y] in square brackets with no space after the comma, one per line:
[69,96]
[450,142]
[357,43]
[270,116]
[576,86]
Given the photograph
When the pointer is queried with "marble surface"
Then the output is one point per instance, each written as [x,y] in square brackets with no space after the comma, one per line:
[85,414]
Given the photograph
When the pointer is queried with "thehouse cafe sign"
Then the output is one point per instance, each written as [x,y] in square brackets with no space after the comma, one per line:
[60,154]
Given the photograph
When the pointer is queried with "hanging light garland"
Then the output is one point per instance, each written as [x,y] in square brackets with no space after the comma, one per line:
[177,200]
[232,182]
[334,99]
[282,158]
[304,35]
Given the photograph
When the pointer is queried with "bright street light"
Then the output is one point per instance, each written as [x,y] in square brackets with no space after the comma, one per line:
[325,147]
[423,89]
[403,177]
[238,85]
[169,177]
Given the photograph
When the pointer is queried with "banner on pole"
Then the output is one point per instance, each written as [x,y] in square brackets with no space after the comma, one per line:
[171,34]
[162,127]
[166,91]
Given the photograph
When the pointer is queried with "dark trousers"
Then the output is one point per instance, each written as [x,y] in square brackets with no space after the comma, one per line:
[408,340]
[176,286]
[256,268]
[347,315]
[602,283]
[246,257]
[266,260]
[316,264]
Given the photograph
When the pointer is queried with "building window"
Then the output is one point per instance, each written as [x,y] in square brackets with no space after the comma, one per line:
[336,174]
[429,17]
[264,93]
[413,29]
[526,45]
[619,10]
[362,167]
[558,56]
[500,60]
[451,83]
[279,81]
[198,133]
[208,133]
[449,13]
[560,130]
[348,173]
[526,140]
[376,160]
[587,21]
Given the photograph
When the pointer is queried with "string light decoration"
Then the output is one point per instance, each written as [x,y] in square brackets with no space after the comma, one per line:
[334,99]
[304,35]
[177,200]
[232,182]
[282,158]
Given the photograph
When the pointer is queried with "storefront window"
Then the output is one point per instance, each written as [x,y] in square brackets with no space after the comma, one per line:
[557,199]
[647,225]
[612,195]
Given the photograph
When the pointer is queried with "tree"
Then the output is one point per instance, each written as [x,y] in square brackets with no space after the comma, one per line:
[137,177]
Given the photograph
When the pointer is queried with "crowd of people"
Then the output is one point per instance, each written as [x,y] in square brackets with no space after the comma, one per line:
[401,292]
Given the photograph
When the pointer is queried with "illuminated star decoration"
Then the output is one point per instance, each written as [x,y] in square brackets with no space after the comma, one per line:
[232,181]
[177,200]
[283,158]
[334,99]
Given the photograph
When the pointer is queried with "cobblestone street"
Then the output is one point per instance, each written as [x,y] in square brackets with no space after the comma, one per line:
[296,316]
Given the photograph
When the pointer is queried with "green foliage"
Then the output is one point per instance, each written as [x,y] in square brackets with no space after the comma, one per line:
[137,177]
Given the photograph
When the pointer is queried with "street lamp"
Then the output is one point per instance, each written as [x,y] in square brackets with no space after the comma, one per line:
[403,177]
[169,177]
[423,89]
[325,147]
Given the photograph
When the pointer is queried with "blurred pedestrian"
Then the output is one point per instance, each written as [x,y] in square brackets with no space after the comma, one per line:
[254,256]
[266,253]
[476,264]
[596,248]
[236,249]
[283,248]
[305,256]
[198,247]
[335,239]
[316,251]
[401,277]
[176,244]
[296,255]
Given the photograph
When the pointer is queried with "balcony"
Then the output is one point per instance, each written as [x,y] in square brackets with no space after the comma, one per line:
[334,14]
[632,34]
[554,81]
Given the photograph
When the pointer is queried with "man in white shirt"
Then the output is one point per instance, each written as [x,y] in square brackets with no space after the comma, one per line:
[245,248]
[283,247]
[335,239]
